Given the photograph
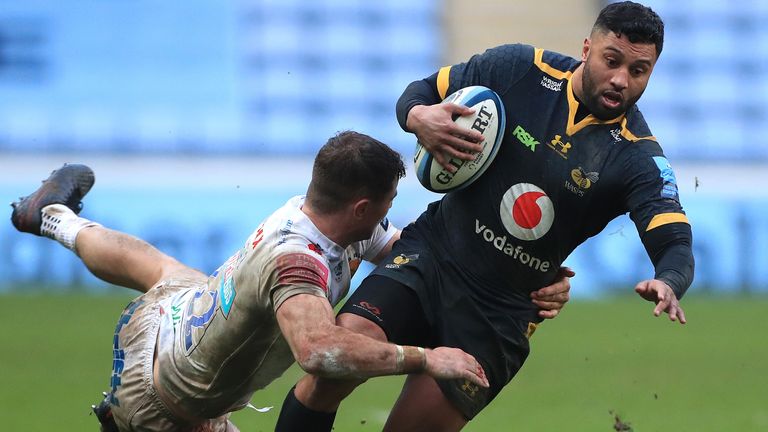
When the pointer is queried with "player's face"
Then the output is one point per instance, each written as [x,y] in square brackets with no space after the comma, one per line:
[616,73]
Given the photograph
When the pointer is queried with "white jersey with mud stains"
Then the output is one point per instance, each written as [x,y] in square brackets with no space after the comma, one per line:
[220,342]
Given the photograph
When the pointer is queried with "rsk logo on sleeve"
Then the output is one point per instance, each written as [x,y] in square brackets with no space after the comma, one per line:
[526,211]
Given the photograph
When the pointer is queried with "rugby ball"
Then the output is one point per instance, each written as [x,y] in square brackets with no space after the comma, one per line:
[488,119]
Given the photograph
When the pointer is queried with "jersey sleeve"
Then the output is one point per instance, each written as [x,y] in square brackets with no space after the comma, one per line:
[651,188]
[654,206]
[297,271]
[370,248]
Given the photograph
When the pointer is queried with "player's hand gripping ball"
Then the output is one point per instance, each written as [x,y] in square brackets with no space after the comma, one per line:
[488,119]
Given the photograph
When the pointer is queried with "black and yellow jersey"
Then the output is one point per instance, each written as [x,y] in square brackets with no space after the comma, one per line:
[556,181]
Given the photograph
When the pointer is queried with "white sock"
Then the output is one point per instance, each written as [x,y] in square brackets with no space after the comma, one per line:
[62,224]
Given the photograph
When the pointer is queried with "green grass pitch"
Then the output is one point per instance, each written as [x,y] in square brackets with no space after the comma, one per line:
[596,361]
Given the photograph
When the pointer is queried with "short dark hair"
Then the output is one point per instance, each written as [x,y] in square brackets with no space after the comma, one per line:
[639,23]
[351,166]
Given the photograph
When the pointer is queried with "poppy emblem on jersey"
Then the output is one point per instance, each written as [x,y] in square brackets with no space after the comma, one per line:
[314,247]
[527,212]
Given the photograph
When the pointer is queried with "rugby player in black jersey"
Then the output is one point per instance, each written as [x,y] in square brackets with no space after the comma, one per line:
[576,154]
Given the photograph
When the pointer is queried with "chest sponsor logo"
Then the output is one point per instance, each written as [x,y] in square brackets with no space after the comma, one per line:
[669,187]
[551,84]
[526,211]
[525,138]
[582,180]
[401,259]
[559,146]
[517,252]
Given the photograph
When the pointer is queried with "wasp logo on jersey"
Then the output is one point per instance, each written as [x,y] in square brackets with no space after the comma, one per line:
[525,138]
[559,146]
[583,180]
[402,259]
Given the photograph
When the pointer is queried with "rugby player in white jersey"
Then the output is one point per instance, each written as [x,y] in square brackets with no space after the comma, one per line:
[193,348]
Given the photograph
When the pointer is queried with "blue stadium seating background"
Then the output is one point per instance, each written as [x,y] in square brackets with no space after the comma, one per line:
[269,77]
[253,79]
[206,77]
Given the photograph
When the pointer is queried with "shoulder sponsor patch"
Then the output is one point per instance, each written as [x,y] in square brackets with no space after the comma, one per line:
[669,187]
[301,268]
[227,293]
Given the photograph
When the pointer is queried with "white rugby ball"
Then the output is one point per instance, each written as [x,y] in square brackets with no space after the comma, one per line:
[488,119]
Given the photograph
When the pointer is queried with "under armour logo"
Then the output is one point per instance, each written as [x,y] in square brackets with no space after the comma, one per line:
[469,388]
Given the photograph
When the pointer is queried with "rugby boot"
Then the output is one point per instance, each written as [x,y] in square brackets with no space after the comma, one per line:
[66,185]
[103,413]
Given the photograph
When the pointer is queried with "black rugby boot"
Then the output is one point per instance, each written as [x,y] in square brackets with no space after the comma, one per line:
[66,185]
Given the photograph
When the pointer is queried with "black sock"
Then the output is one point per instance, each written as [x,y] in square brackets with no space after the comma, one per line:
[294,416]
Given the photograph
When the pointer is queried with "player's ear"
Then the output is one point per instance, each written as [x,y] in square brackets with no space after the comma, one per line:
[585,49]
[360,208]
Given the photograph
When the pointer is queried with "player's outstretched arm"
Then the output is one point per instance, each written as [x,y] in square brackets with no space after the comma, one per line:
[322,348]
[666,301]
[552,298]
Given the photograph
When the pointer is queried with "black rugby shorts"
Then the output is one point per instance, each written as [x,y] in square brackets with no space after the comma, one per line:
[418,300]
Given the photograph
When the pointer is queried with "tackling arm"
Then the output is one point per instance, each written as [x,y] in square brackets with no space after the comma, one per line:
[324,349]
